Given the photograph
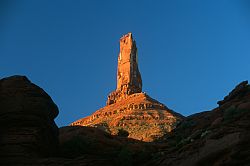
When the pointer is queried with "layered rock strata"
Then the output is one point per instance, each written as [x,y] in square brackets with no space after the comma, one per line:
[128,75]
[141,116]
[127,107]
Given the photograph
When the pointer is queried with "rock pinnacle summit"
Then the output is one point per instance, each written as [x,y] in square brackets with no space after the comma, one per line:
[128,76]
[128,108]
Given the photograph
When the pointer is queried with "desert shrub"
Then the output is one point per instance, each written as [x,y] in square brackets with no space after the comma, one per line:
[122,133]
[205,133]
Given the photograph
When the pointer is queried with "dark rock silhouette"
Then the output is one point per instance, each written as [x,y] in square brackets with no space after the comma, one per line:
[236,93]
[82,145]
[29,135]
[26,120]
[217,137]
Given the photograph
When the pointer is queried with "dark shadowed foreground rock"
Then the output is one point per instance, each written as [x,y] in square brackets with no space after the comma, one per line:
[211,138]
[29,136]
[27,122]
[91,146]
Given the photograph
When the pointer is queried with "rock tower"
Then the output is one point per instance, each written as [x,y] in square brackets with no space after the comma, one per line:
[128,108]
[128,75]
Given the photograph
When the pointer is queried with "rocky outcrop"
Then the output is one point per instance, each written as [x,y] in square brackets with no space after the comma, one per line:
[128,74]
[90,146]
[128,109]
[29,135]
[236,93]
[217,137]
[132,129]
[27,122]
[141,116]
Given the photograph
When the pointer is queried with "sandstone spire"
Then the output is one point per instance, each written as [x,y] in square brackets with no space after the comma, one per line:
[128,75]
[128,108]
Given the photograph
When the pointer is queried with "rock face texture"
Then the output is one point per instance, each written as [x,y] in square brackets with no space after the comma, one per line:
[127,107]
[236,93]
[117,133]
[141,116]
[128,75]
[217,137]
[26,120]
[29,136]
[211,138]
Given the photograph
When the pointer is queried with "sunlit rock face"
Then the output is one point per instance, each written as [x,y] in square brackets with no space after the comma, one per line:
[141,116]
[128,108]
[26,119]
[128,75]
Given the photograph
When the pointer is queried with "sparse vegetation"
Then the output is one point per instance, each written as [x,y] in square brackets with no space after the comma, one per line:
[205,133]
[123,133]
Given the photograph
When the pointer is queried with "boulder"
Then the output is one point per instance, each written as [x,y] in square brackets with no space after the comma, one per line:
[27,122]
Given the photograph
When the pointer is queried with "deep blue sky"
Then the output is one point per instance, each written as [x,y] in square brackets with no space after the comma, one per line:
[191,53]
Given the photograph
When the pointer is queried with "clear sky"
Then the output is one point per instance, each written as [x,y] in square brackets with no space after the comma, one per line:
[191,52]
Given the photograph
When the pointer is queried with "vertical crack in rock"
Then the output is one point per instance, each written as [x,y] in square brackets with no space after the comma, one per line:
[128,75]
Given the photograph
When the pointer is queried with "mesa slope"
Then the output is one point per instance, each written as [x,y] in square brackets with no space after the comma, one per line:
[143,117]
